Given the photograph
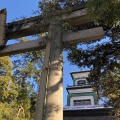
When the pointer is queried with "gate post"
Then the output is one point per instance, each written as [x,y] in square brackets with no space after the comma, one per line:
[2,27]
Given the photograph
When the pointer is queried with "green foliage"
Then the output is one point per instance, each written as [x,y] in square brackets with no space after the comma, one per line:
[111,85]
[8,88]
[106,11]
[8,111]
[8,93]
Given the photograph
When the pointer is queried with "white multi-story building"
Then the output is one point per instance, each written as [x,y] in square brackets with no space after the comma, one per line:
[81,93]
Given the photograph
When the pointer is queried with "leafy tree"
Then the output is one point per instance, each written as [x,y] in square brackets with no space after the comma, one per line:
[106,12]
[8,90]
[26,74]
[8,111]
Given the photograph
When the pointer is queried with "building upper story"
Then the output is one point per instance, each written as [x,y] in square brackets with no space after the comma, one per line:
[80,83]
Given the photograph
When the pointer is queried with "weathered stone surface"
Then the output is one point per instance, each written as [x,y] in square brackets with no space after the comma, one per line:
[2,26]
[84,35]
[73,37]
[23,47]
[29,27]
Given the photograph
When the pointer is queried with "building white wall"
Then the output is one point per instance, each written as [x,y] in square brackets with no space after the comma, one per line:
[80,75]
[80,90]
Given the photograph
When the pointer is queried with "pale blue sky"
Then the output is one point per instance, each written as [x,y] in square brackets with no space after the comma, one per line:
[17,8]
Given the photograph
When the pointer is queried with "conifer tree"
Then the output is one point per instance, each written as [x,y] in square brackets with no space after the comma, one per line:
[26,74]
[8,90]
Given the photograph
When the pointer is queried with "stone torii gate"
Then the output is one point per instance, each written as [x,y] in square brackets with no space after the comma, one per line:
[54,109]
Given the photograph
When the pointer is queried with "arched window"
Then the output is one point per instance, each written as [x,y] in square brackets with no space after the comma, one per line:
[81,82]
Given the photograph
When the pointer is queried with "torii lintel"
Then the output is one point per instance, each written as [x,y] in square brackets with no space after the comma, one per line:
[71,37]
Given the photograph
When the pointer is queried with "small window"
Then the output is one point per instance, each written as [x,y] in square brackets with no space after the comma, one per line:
[82,102]
[81,82]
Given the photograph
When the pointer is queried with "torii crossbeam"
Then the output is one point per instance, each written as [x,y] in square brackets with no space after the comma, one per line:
[54,109]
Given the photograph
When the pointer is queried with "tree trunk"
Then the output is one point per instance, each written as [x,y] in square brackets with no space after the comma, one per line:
[54,100]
